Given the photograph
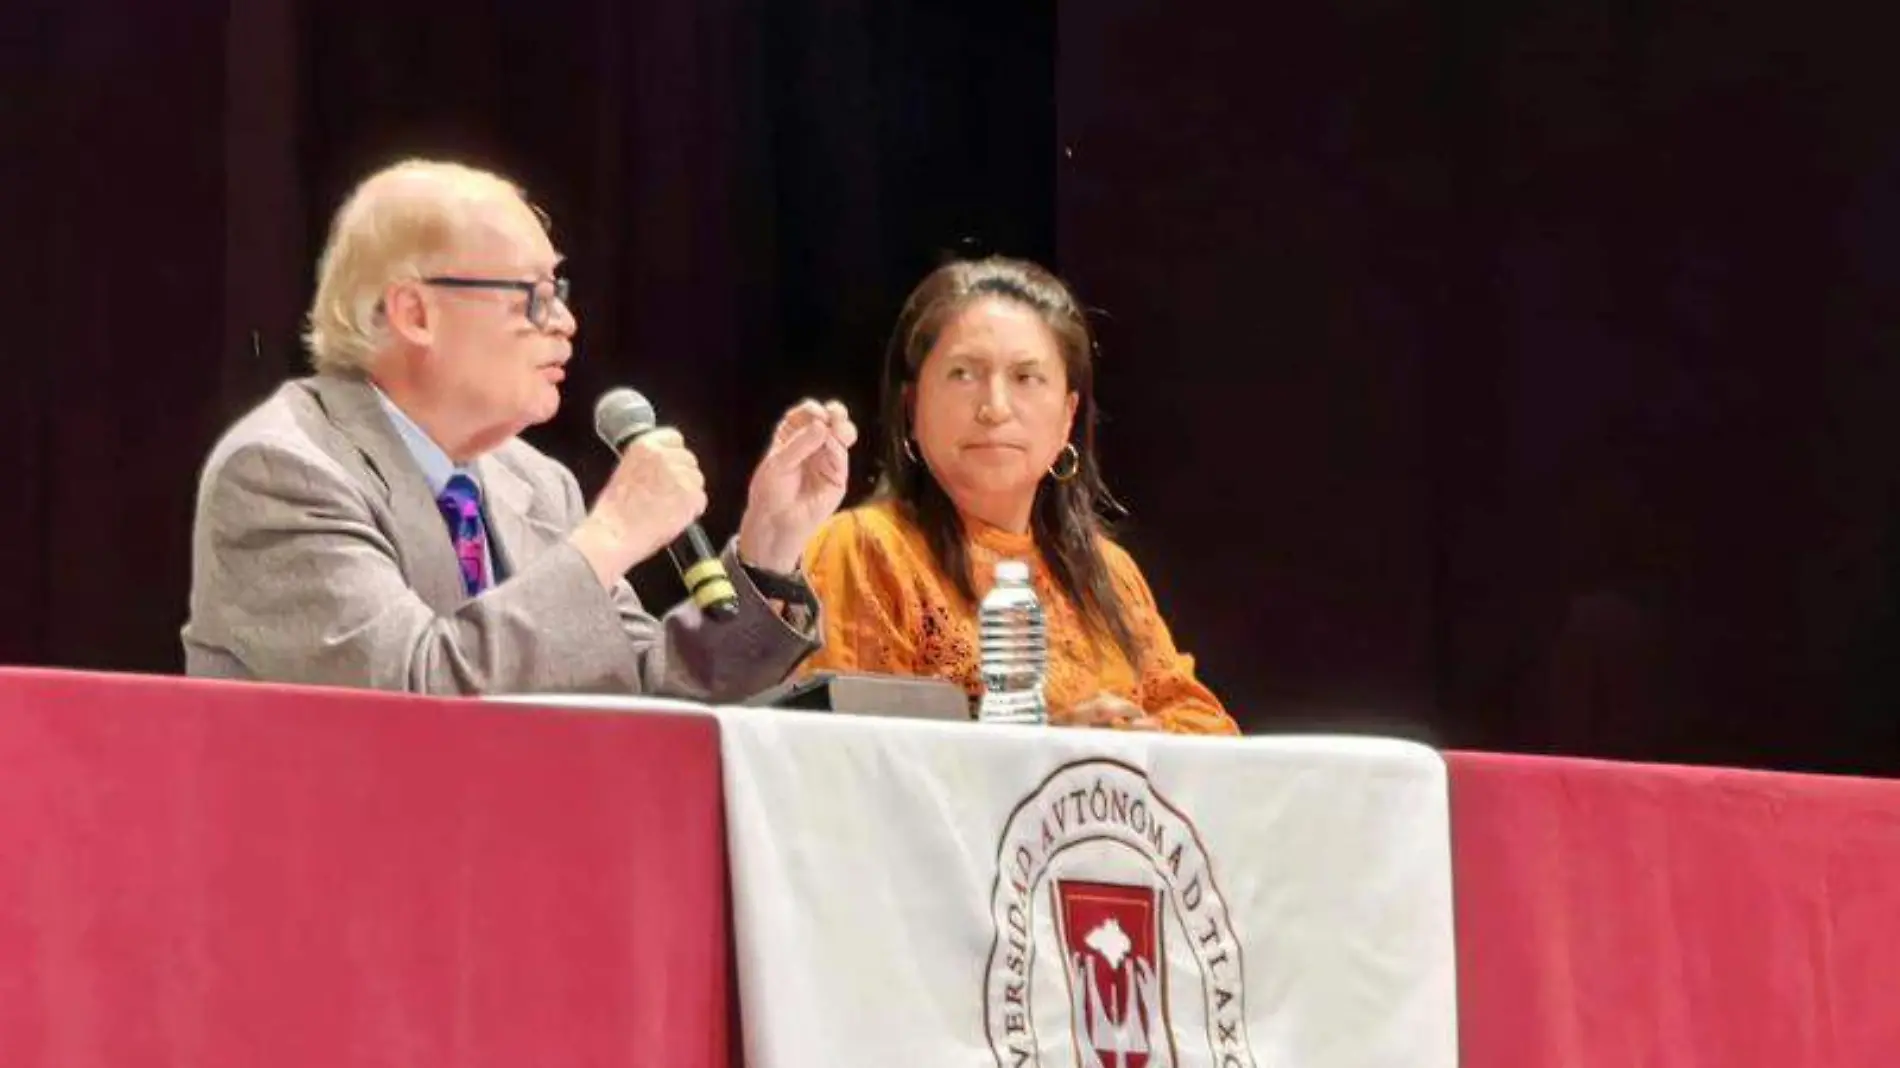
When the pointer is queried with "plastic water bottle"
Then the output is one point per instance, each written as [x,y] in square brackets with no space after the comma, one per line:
[1014,651]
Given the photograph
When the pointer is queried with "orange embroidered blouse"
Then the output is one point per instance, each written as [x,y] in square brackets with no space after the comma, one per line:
[888,609]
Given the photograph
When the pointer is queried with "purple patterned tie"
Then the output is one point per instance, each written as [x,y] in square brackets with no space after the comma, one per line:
[461,504]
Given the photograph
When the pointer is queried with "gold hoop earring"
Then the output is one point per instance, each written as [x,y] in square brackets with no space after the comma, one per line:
[1064,474]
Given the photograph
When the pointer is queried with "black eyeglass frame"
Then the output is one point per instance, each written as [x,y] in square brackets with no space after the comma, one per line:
[539,309]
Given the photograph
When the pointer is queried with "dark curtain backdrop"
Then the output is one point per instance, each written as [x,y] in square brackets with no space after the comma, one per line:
[745,189]
[1519,375]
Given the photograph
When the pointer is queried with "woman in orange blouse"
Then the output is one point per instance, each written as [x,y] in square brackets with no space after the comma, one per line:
[984,457]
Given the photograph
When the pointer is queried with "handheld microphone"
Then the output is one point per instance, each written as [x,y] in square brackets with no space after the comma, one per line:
[620,417]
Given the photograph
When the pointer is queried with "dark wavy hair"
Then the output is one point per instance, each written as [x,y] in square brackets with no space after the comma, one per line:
[1066,520]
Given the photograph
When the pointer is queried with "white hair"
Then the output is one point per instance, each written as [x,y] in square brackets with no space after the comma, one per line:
[395,226]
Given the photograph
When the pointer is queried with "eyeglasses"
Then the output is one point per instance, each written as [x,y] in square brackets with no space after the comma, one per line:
[541,295]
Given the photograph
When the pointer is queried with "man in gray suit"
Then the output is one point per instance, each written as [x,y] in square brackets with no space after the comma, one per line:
[380,524]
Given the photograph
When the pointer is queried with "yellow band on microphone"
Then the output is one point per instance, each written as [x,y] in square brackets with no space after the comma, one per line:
[712,568]
[713,592]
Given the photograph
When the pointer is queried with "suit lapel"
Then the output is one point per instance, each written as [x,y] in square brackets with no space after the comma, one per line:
[516,537]
[416,526]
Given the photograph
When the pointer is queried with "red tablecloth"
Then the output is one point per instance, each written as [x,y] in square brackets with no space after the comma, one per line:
[1618,915]
[204,874]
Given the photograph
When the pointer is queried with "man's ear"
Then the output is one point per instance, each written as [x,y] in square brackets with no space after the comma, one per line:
[408,314]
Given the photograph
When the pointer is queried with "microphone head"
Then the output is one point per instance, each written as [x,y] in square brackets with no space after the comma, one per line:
[621,415]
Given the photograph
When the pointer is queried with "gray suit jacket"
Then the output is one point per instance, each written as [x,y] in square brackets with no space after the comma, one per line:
[318,556]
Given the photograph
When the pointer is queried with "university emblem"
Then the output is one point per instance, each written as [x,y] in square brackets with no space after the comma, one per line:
[1113,947]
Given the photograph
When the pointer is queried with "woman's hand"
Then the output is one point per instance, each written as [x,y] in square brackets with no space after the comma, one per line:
[1107,710]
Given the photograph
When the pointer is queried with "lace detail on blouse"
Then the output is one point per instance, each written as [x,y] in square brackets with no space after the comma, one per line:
[888,609]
